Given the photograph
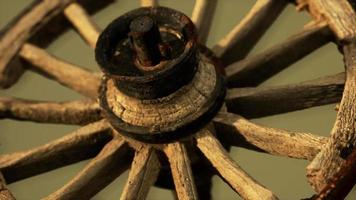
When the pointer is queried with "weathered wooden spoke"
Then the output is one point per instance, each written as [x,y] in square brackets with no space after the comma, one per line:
[143,174]
[69,75]
[112,161]
[15,36]
[64,151]
[240,41]
[256,69]
[343,135]
[5,194]
[72,112]
[239,131]
[338,13]
[181,171]
[342,20]
[202,17]
[342,181]
[239,180]
[253,102]
[80,19]
[148,107]
[149,3]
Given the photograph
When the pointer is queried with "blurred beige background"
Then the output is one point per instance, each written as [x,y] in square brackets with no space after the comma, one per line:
[286,177]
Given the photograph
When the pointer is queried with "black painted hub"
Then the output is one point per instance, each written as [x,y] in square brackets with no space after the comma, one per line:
[151,53]
[118,47]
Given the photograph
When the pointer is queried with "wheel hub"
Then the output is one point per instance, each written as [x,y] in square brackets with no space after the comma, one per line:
[158,85]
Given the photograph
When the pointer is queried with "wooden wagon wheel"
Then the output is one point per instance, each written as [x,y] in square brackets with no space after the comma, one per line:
[163,122]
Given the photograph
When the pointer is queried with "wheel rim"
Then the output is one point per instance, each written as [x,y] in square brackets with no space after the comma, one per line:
[337,84]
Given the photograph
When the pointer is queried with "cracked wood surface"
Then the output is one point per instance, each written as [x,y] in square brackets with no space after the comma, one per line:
[239,180]
[72,112]
[143,174]
[342,182]
[168,110]
[79,145]
[76,78]
[339,14]
[37,14]
[258,68]
[244,36]
[343,134]
[320,9]
[238,131]
[112,161]
[181,171]
[83,23]
[254,102]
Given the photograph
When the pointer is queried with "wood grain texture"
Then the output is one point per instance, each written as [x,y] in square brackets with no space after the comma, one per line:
[149,3]
[69,75]
[5,193]
[339,14]
[166,111]
[112,161]
[244,36]
[202,17]
[59,24]
[342,182]
[258,68]
[254,102]
[79,145]
[343,135]
[240,181]
[181,171]
[82,22]
[238,131]
[71,112]
[143,174]
[32,20]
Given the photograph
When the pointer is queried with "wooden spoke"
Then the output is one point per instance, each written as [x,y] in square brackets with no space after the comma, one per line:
[241,132]
[261,101]
[202,17]
[256,69]
[64,151]
[342,182]
[72,112]
[343,134]
[5,194]
[69,75]
[143,174]
[331,172]
[19,31]
[149,3]
[112,161]
[239,42]
[239,180]
[80,19]
[338,13]
[181,171]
